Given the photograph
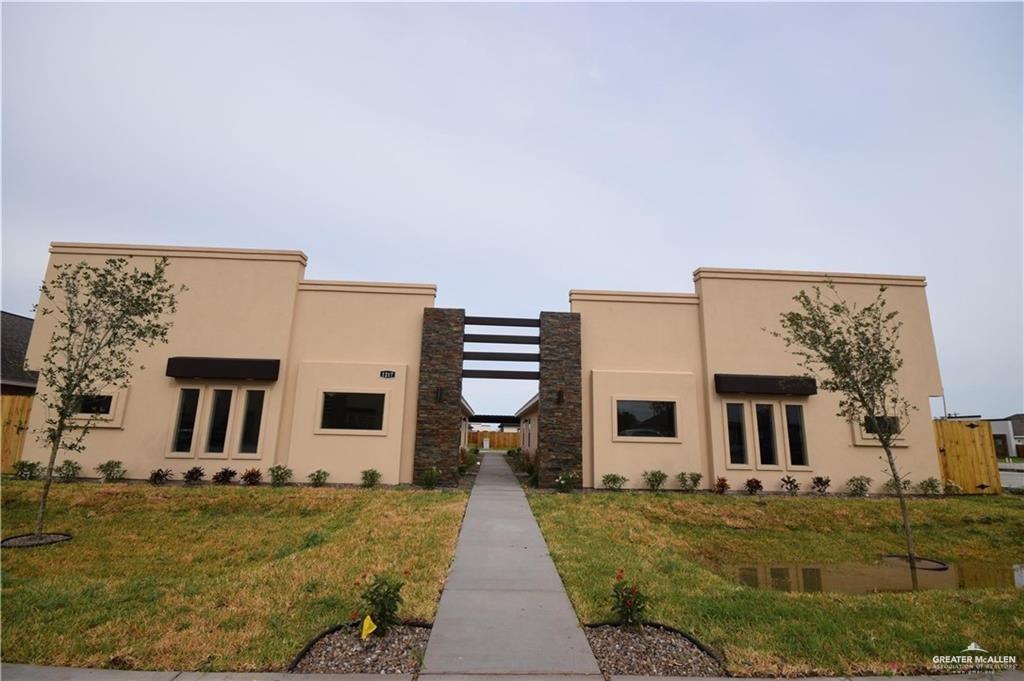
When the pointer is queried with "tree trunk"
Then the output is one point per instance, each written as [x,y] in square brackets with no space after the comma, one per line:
[49,478]
[906,516]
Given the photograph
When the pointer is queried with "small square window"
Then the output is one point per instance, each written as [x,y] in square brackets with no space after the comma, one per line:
[352,411]
[646,418]
[95,404]
[876,425]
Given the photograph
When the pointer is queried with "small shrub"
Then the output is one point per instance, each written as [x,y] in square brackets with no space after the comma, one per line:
[721,486]
[160,476]
[431,477]
[26,470]
[613,481]
[68,471]
[111,471]
[532,474]
[858,486]
[382,597]
[789,484]
[224,476]
[950,488]
[695,479]
[654,479]
[820,484]
[252,476]
[568,480]
[629,603]
[313,538]
[754,486]
[318,478]
[194,475]
[889,486]
[929,487]
[684,481]
[371,476]
[279,475]
[468,459]
[474,451]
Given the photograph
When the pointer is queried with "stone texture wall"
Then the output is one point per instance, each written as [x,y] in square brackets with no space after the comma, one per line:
[560,417]
[438,406]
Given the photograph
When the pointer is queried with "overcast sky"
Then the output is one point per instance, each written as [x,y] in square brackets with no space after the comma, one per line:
[510,153]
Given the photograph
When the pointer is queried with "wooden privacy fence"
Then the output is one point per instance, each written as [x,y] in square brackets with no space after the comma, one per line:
[497,439]
[967,455]
[15,409]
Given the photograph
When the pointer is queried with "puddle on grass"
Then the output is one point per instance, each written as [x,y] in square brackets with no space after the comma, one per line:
[891,573]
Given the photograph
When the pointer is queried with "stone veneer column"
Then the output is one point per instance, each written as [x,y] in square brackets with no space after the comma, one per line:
[560,417]
[438,403]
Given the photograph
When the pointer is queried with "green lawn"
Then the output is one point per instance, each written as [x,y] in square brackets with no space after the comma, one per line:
[670,542]
[210,578]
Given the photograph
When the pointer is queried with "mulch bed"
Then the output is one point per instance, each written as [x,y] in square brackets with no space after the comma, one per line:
[649,651]
[25,541]
[400,651]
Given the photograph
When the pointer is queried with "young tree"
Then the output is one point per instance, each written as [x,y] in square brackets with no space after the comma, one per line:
[102,315]
[853,351]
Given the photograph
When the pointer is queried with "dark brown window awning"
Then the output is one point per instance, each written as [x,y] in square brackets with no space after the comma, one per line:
[765,385]
[225,368]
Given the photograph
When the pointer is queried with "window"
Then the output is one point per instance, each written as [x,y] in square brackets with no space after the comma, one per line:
[353,411]
[875,425]
[797,438]
[217,434]
[188,405]
[1002,447]
[644,418]
[766,434]
[748,576]
[251,420]
[737,433]
[779,578]
[95,404]
[812,578]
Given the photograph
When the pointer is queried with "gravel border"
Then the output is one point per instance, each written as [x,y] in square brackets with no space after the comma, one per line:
[28,541]
[339,650]
[650,651]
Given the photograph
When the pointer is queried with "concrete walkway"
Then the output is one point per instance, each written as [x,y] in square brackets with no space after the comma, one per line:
[503,609]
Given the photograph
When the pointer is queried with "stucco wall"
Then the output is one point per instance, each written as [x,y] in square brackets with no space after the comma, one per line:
[643,345]
[239,303]
[736,308]
[345,334]
[670,345]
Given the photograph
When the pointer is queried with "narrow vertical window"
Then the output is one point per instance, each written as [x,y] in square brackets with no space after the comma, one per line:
[251,421]
[219,412]
[737,433]
[795,431]
[188,404]
[766,434]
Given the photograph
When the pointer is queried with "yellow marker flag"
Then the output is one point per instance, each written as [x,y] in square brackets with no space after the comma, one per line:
[368,627]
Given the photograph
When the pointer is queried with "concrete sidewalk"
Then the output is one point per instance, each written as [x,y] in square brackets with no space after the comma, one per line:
[504,609]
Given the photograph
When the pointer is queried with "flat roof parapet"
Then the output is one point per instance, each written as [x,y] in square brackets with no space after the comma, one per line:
[807,277]
[157,251]
[368,287]
[634,297]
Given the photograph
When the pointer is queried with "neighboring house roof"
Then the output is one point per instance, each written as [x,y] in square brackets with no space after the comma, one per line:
[531,405]
[15,331]
[468,410]
[1018,424]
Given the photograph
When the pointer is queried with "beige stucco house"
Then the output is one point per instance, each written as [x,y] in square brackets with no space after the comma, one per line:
[265,367]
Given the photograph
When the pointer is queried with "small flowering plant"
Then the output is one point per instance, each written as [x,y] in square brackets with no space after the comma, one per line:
[629,603]
[568,480]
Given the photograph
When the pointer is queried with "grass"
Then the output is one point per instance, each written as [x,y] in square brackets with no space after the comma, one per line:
[210,578]
[669,543]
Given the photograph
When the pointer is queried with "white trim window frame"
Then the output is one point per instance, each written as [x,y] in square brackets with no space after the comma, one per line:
[775,422]
[242,408]
[319,412]
[784,407]
[748,436]
[653,439]
[172,453]
[209,402]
